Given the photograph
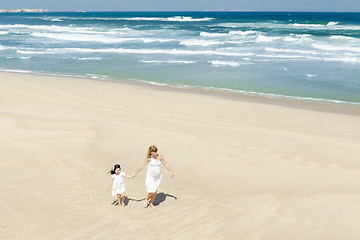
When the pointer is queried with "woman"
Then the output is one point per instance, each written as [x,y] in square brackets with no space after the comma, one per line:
[153,175]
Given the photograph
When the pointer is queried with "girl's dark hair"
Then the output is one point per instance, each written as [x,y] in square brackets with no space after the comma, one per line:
[112,171]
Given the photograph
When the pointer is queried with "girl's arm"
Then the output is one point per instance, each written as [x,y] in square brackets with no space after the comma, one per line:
[141,167]
[167,166]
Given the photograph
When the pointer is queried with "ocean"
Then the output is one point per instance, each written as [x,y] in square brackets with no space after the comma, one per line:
[305,56]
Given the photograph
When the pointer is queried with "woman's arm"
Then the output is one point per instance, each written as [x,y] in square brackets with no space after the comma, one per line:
[141,167]
[167,166]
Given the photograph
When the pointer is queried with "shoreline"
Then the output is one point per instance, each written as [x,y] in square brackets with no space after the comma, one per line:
[284,101]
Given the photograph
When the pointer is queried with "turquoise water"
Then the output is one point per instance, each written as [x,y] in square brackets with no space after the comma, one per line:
[300,55]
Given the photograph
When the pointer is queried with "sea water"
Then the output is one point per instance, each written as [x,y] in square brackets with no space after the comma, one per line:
[310,56]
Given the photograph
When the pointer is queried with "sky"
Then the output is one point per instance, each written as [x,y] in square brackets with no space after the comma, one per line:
[186,5]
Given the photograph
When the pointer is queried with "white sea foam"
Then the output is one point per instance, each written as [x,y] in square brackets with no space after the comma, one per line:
[162,19]
[149,40]
[86,58]
[300,35]
[52,19]
[289,26]
[283,56]
[95,38]
[153,83]
[289,50]
[342,59]
[15,70]
[169,62]
[311,75]
[41,27]
[7,48]
[56,20]
[3,32]
[168,19]
[207,34]
[243,33]
[196,42]
[97,76]
[70,29]
[251,93]
[270,95]
[329,26]
[31,52]
[80,37]
[131,51]
[328,47]
[300,38]
[90,59]
[308,26]
[262,38]
[290,39]
[22,58]
[224,63]
[188,19]
[343,37]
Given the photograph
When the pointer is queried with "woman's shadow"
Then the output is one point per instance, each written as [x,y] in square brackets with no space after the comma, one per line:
[161,197]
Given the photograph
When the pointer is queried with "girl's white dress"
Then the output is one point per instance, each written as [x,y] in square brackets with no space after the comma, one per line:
[153,176]
[118,183]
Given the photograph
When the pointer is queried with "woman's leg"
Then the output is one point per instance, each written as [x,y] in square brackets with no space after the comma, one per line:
[153,196]
[147,200]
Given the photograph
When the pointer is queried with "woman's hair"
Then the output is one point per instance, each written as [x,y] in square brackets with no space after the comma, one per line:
[112,171]
[152,148]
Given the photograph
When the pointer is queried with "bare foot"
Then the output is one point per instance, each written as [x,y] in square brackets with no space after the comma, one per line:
[151,205]
[146,203]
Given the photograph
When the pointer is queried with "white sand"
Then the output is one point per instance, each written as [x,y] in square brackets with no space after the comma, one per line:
[243,169]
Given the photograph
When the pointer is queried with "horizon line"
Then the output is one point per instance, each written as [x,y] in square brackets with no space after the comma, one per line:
[221,10]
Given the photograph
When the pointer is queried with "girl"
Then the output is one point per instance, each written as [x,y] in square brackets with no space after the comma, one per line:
[153,175]
[118,183]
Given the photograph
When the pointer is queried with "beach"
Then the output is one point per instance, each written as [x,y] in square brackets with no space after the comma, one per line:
[245,167]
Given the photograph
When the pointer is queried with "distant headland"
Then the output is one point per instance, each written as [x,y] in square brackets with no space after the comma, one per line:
[23,10]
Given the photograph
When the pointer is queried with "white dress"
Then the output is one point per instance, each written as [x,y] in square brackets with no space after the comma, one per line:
[118,183]
[153,176]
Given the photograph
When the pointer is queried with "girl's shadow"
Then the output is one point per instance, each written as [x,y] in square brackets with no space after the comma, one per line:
[126,201]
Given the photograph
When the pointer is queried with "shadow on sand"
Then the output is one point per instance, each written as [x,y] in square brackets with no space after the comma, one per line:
[160,197]
[127,200]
